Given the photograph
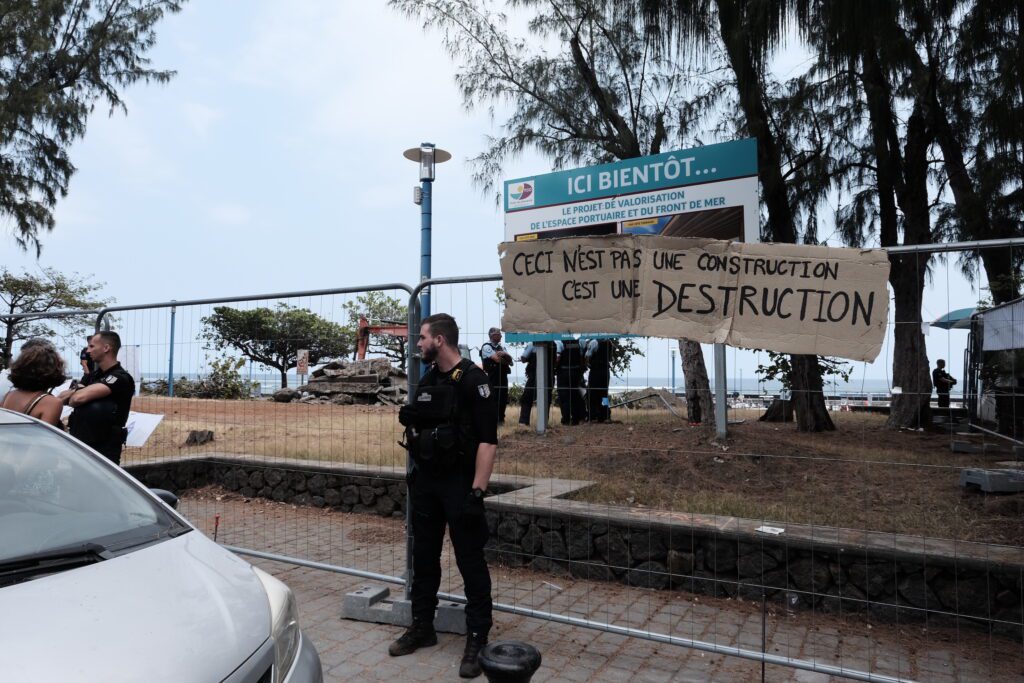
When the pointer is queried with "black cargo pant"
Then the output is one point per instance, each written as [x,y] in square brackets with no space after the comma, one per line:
[111,449]
[571,397]
[597,392]
[438,499]
[109,446]
[498,380]
[528,398]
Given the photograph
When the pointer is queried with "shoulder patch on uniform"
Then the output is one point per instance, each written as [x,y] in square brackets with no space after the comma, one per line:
[110,379]
[456,374]
[484,390]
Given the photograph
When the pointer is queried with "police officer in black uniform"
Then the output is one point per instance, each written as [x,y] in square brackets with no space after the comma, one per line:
[497,364]
[526,401]
[451,432]
[88,366]
[103,399]
[943,382]
[599,357]
[571,391]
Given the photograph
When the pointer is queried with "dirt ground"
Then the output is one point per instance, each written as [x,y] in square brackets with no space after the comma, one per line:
[861,476]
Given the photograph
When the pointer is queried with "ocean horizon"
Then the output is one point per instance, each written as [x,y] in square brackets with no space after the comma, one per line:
[271,381]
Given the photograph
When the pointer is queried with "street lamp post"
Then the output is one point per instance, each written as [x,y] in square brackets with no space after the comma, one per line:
[426,155]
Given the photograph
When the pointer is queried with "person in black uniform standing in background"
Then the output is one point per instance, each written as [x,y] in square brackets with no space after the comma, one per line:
[88,366]
[530,388]
[103,399]
[943,382]
[497,364]
[571,392]
[451,432]
[598,358]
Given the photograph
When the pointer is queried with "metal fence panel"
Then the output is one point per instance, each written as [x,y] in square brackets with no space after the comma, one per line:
[855,552]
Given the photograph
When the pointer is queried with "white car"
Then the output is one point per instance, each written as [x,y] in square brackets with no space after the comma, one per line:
[100,580]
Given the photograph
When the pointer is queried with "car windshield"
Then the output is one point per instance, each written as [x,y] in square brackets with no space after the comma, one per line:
[54,495]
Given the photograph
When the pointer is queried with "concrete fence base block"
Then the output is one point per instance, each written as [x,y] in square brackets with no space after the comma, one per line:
[374,604]
[450,618]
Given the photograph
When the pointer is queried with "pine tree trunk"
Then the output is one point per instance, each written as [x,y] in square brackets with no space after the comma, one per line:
[809,395]
[910,408]
[699,404]
[1003,279]
[902,178]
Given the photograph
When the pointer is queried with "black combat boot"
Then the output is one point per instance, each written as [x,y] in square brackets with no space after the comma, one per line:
[420,634]
[470,667]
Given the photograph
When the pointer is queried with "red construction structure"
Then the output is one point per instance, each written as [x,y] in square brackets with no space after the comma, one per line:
[391,328]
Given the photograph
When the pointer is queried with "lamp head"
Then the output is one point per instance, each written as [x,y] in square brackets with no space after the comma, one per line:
[427,155]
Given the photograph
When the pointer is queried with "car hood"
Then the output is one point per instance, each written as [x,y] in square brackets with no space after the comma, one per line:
[181,610]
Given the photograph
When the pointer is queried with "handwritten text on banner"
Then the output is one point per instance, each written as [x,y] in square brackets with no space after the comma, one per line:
[782,297]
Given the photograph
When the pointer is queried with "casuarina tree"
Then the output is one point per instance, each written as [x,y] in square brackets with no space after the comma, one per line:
[59,59]
[603,94]
[746,34]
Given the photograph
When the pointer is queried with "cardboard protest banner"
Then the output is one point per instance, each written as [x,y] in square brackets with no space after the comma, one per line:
[782,297]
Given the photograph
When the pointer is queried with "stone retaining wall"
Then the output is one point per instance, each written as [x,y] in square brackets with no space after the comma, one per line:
[832,580]
[345,491]
[532,524]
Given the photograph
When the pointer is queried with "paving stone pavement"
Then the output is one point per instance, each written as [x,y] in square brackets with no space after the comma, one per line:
[357,651]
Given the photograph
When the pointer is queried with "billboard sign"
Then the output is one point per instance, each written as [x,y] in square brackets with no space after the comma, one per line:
[708,192]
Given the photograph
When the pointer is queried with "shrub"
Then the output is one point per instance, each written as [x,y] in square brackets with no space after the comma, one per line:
[515,394]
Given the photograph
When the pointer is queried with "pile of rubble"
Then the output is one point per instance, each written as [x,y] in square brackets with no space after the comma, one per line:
[647,399]
[372,381]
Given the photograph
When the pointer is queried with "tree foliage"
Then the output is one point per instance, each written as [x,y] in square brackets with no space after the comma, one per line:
[779,368]
[378,308]
[908,120]
[58,60]
[605,94]
[273,336]
[904,127]
[47,290]
[223,381]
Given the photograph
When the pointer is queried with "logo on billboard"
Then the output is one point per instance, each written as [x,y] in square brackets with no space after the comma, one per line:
[521,194]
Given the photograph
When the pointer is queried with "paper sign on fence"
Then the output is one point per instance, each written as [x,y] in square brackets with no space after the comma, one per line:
[140,426]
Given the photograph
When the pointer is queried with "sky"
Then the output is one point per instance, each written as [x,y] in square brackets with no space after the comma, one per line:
[273,161]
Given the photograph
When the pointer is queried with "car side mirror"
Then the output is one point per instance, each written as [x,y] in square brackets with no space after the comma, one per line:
[167,497]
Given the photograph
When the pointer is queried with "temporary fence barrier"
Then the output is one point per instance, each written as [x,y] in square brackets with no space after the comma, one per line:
[865,552]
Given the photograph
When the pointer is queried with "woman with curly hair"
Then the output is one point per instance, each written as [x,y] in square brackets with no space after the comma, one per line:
[36,371]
